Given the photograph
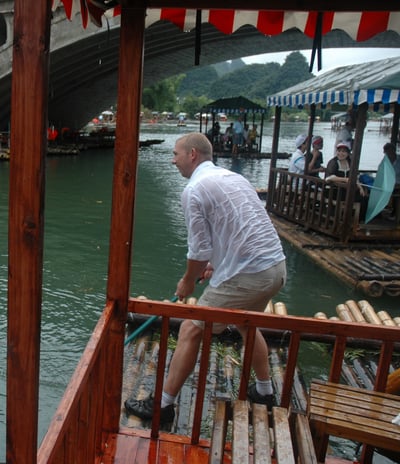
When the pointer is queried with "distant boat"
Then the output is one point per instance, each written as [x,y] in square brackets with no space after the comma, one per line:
[147,143]
[56,150]
[106,139]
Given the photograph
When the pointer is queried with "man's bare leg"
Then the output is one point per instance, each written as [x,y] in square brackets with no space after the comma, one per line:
[184,358]
[260,361]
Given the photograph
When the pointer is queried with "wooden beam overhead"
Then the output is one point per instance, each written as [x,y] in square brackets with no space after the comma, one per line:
[279,5]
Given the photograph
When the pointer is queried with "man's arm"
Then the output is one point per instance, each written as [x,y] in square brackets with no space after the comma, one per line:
[194,270]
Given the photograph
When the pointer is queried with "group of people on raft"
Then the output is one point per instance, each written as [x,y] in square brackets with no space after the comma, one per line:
[338,168]
[238,136]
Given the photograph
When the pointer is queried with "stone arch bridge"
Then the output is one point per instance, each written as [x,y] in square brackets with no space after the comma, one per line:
[83,62]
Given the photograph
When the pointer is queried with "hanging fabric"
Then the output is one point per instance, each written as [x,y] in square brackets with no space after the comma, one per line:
[317,43]
[197,49]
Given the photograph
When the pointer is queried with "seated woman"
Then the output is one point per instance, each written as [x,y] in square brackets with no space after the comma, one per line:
[338,171]
[315,157]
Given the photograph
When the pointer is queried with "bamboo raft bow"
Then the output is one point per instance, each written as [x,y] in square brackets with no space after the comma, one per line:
[373,268]
[152,319]
[363,312]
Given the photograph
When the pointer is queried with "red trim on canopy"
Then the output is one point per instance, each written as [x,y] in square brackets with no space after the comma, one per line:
[270,22]
[372,23]
[223,20]
[359,25]
[176,16]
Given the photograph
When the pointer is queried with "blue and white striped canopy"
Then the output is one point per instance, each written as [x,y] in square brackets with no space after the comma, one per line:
[373,82]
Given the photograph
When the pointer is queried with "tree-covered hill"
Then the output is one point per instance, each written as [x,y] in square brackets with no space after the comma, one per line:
[190,91]
[254,81]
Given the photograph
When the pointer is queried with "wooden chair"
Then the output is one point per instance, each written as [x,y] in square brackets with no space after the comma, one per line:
[356,414]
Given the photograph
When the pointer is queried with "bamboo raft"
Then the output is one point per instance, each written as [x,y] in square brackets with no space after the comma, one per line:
[358,369]
[373,268]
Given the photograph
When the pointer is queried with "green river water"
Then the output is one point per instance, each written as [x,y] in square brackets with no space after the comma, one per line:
[78,201]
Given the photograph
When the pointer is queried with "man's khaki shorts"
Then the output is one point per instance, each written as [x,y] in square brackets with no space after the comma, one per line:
[250,292]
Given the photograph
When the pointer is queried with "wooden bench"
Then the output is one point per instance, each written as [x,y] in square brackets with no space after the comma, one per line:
[255,439]
[351,413]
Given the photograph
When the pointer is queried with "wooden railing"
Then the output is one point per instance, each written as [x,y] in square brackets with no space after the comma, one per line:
[77,433]
[311,202]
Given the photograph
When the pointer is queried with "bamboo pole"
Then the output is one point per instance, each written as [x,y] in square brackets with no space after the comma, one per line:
[355,311]
[344,313]
[392,288]
[397,320]
[370,287]
[320,315]
[349,375]
[134,375]
[385,318]
[363,374]
[280,309]
[276,372]
[269,309]
[369,313]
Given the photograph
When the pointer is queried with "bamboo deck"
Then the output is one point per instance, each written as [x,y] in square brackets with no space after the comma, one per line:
[358,370]
[371,267]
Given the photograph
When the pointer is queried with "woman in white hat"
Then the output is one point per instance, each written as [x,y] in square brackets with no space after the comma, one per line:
[338,168]
[298,161]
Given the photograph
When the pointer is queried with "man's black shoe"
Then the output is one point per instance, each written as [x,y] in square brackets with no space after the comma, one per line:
[255,397]
[144,409]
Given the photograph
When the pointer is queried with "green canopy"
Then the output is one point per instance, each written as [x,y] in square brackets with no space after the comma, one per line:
[233,105]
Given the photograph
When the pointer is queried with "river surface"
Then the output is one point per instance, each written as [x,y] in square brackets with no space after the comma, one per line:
[78,201]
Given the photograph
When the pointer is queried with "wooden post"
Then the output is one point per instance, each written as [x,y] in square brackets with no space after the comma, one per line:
[124,184]
[309,141]
[26,224]
[394,136]
[355,163]
[261,132]
[274,156]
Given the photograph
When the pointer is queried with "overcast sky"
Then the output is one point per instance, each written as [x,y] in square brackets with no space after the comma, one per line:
[331,58]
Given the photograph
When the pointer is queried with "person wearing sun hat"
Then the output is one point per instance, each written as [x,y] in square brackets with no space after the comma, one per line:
[338,171]
[315,158]
[338,168]
[298,161]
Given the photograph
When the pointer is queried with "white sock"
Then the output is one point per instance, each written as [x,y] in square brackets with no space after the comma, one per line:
[167,399]
[264,387]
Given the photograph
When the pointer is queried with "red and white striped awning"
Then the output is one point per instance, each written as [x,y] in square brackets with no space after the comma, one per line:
[359,26]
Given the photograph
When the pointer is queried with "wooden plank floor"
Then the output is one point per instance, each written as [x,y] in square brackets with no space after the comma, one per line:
[136,447]
[371,267]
